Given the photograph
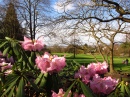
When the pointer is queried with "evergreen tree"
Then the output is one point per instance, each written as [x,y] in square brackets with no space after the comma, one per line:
[11,26]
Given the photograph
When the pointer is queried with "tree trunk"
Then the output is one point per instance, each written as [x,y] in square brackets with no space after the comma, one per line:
[74,52]
[111,67]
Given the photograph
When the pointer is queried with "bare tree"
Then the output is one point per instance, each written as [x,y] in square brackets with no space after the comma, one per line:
[101,10]
[32,14]
[88,15]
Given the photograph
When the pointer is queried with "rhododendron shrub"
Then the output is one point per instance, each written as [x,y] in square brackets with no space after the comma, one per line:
[91,75]
[26,70]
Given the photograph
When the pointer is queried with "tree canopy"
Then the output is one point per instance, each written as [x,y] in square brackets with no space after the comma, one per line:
[11,26]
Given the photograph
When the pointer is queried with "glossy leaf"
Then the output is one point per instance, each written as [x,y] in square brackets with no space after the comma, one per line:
[11,78]
[10,87]
[6,51]
[122,88]
[11,92]
[15,50]
[86,90]
[7,38]
[32,83]
[21,58]
[69,89]
[3,44]
[38,78]
[127,90]
[20,92]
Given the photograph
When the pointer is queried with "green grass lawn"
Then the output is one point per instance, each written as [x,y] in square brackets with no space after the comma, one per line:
[85,59]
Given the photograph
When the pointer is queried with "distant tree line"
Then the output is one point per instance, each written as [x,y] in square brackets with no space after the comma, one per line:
[119,49]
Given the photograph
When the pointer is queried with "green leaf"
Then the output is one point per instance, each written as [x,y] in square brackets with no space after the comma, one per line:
[11,92]
[7,38]
[21,58]
[122,87]
[43,82]
[6,51]
[4,43]
[86,90]
[32,83]
[127,90]
[69,89]
[11,78]
[20,92]
[33,56]
[10,87]
[30,60]
[38,78]
[41,79]
[76,63]
[15,50]
[13,44]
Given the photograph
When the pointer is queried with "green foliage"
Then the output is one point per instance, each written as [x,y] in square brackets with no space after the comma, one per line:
[122,90]
[24,71]
[83,89]
[28,81]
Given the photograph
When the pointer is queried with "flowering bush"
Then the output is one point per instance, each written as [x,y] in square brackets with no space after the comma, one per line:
[49,63]
[32,45]
[26,70]
[91,75]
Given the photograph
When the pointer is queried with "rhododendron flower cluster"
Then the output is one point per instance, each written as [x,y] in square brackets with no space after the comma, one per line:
[5,64]
[61,93]
[103,85]
[32,45]
[83,74]
[49,63]
[90,75]
[97,68]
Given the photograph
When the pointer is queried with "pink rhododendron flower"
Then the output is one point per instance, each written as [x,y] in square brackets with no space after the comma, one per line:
[83,74]
[5,66]
[5,58]
[48,63]
[103,85]
[97,68]
[60,93]
[32,45]
[8,72]
[2,60]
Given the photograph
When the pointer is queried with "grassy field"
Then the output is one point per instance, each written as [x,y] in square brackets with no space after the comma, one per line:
[85,59]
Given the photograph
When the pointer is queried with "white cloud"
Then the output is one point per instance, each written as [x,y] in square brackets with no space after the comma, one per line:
[61,6]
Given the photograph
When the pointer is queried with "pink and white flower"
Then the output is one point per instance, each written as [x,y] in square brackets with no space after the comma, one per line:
[48,63]
[103,85]
[60,93]
[32,45]
[97,68]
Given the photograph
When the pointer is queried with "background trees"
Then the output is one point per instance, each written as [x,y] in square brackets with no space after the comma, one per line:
[101,19]
[33,15]
[10,26]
